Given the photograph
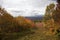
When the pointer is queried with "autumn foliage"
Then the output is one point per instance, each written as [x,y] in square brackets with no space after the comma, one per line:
[52,18]
[9,23]
[25,23]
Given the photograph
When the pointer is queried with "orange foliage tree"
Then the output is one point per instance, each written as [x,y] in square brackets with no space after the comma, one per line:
[25,23]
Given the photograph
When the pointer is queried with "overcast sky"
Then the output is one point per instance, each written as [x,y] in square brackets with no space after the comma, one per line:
[26,7]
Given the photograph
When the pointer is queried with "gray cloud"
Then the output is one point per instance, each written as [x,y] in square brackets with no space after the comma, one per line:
[1,2]
[27,5]
[54,0]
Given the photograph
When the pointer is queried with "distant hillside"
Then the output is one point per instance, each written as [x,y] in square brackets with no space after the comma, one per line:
[35,17]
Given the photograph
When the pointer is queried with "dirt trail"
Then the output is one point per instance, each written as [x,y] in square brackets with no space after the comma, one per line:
[38,35]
